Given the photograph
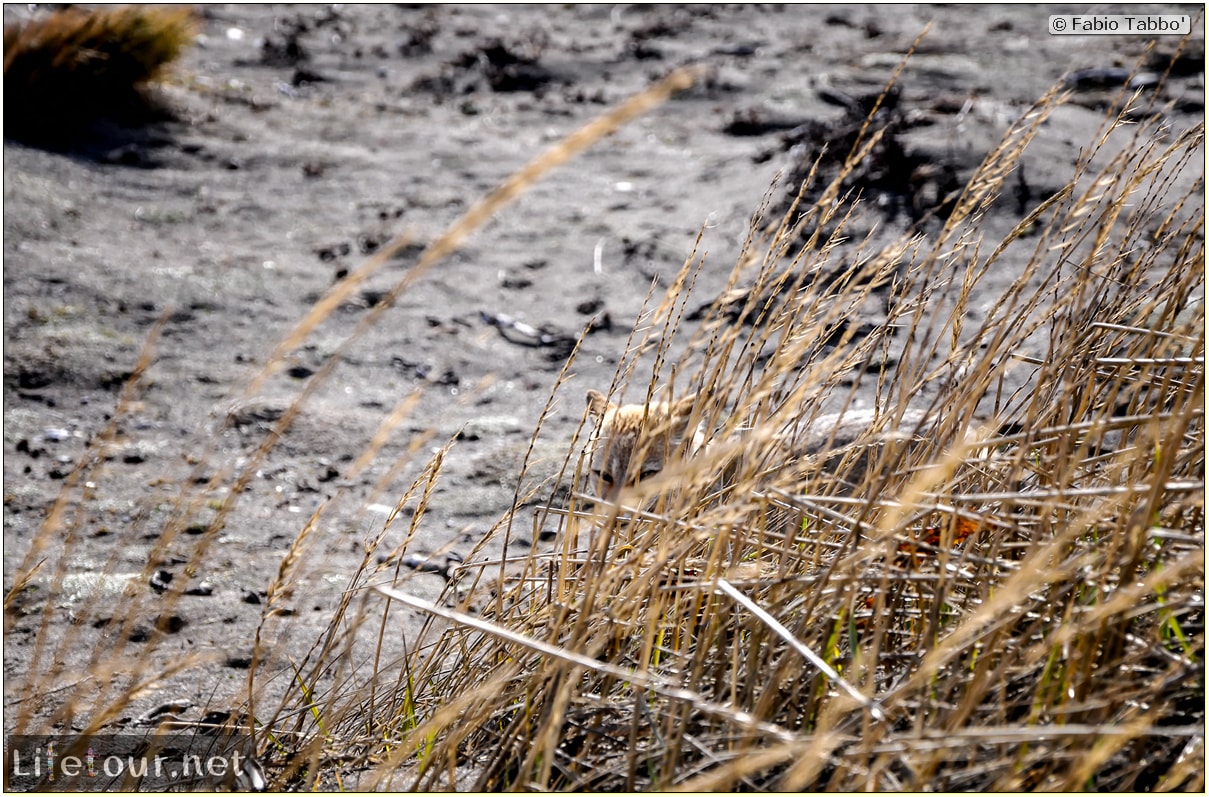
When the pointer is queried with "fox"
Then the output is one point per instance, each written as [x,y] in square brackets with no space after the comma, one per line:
[661,432]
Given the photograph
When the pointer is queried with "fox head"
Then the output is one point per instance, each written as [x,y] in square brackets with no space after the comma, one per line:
[633,442]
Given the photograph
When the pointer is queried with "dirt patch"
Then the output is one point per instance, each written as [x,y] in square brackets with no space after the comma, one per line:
[306,138]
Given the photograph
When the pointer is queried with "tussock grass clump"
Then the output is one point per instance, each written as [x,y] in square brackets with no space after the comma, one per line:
[998,585]
[71,67]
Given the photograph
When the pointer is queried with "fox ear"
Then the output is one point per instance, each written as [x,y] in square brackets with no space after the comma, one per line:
[683,407]
[598,405]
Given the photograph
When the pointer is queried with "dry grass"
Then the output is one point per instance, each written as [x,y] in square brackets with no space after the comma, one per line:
[1009,596]
[75,65]
[1007,605]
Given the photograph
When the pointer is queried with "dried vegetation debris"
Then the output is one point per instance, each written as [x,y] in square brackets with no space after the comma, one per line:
[492,65]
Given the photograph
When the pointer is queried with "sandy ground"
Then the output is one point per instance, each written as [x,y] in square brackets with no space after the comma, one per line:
[305,138]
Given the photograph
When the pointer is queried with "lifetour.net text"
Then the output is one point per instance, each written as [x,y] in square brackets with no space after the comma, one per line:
[101,763]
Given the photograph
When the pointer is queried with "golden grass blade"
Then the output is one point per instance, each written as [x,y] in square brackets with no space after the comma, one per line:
[866,703]
[638,678]
[472,219]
